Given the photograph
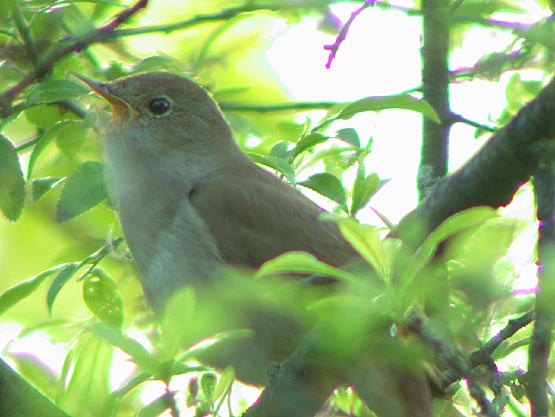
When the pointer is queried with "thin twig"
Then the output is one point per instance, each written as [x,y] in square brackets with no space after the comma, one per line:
[278,107]
[333,48]
[483,355]
[457,118]
[451,359]
[540,344]
[62,49]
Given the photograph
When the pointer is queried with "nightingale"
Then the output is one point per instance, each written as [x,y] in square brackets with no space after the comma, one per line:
[191,202]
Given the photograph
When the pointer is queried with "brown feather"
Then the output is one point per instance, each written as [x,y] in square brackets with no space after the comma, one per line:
[256,217]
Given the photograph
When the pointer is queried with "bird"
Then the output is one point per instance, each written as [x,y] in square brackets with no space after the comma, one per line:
[191,203]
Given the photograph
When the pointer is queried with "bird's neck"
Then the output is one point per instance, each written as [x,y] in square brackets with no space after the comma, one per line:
[162,229]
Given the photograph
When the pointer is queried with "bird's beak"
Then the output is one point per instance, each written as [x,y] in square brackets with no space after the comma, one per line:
[121,110]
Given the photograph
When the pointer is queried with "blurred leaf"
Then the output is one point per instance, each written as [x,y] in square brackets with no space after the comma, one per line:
[307,142]
[41,186]
[132,383]
[455,224]
[278,164]
[445,408]
[102,298]
[159,62]
[20,291]
[43,141]
[44,116]
[349,135]
[300,263]
[280,150]
[36,372]
[12,183]
[402,101]
[83,189]
[87,394]
[224,386]
[289,130]
[480,8]
[363,190]
[63,277]
[366,241]
[328,185]
[55,90]
[117,338]
[208,382]
[242,125]
[214,339]
[48,326]
[70,139]
[178,310]
[158,406]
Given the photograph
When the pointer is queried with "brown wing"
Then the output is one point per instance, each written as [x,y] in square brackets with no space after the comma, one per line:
[255,217]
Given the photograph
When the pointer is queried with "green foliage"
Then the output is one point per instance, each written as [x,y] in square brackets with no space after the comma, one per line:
[12,185]
[47,147]
[83,189]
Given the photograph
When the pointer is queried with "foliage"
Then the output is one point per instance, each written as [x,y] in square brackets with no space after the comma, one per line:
[62,230]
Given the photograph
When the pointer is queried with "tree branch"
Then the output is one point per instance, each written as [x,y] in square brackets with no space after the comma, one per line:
[18,398]
[333,48]
[540,345]
[60,50]
[492,176]
[435,88]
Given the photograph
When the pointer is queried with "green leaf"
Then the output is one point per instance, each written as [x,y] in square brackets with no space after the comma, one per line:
[280,150]
[224,386]
[70,139]
[41,186]
[117,338]
[24,289]
[158,406]
[132,383]
[278,164]
[158,62]
[349,135]
[179,309]
[307,142]
[12,184]
[102,298]
[36,371]
[366,241]
[44,116]
[363,190]
[43,141]
[55,90]
[87,393]
[242,125]
[402,101]
[83,189]
[300,263]
[208,383]
[214,339]
[328,185]
[457,223]
[63,277]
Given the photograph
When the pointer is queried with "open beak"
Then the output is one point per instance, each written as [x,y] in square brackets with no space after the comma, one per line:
[121,110]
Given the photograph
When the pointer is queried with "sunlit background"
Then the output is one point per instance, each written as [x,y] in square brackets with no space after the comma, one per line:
[379,57]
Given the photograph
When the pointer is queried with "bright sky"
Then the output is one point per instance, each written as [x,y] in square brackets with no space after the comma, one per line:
[379,57]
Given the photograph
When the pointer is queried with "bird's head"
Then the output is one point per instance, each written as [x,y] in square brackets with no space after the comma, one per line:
[161,112]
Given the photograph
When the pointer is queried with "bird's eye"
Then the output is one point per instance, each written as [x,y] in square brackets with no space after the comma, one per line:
[159,105]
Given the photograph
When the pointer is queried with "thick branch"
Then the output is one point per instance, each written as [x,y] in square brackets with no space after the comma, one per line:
[492,176]
[18,398]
